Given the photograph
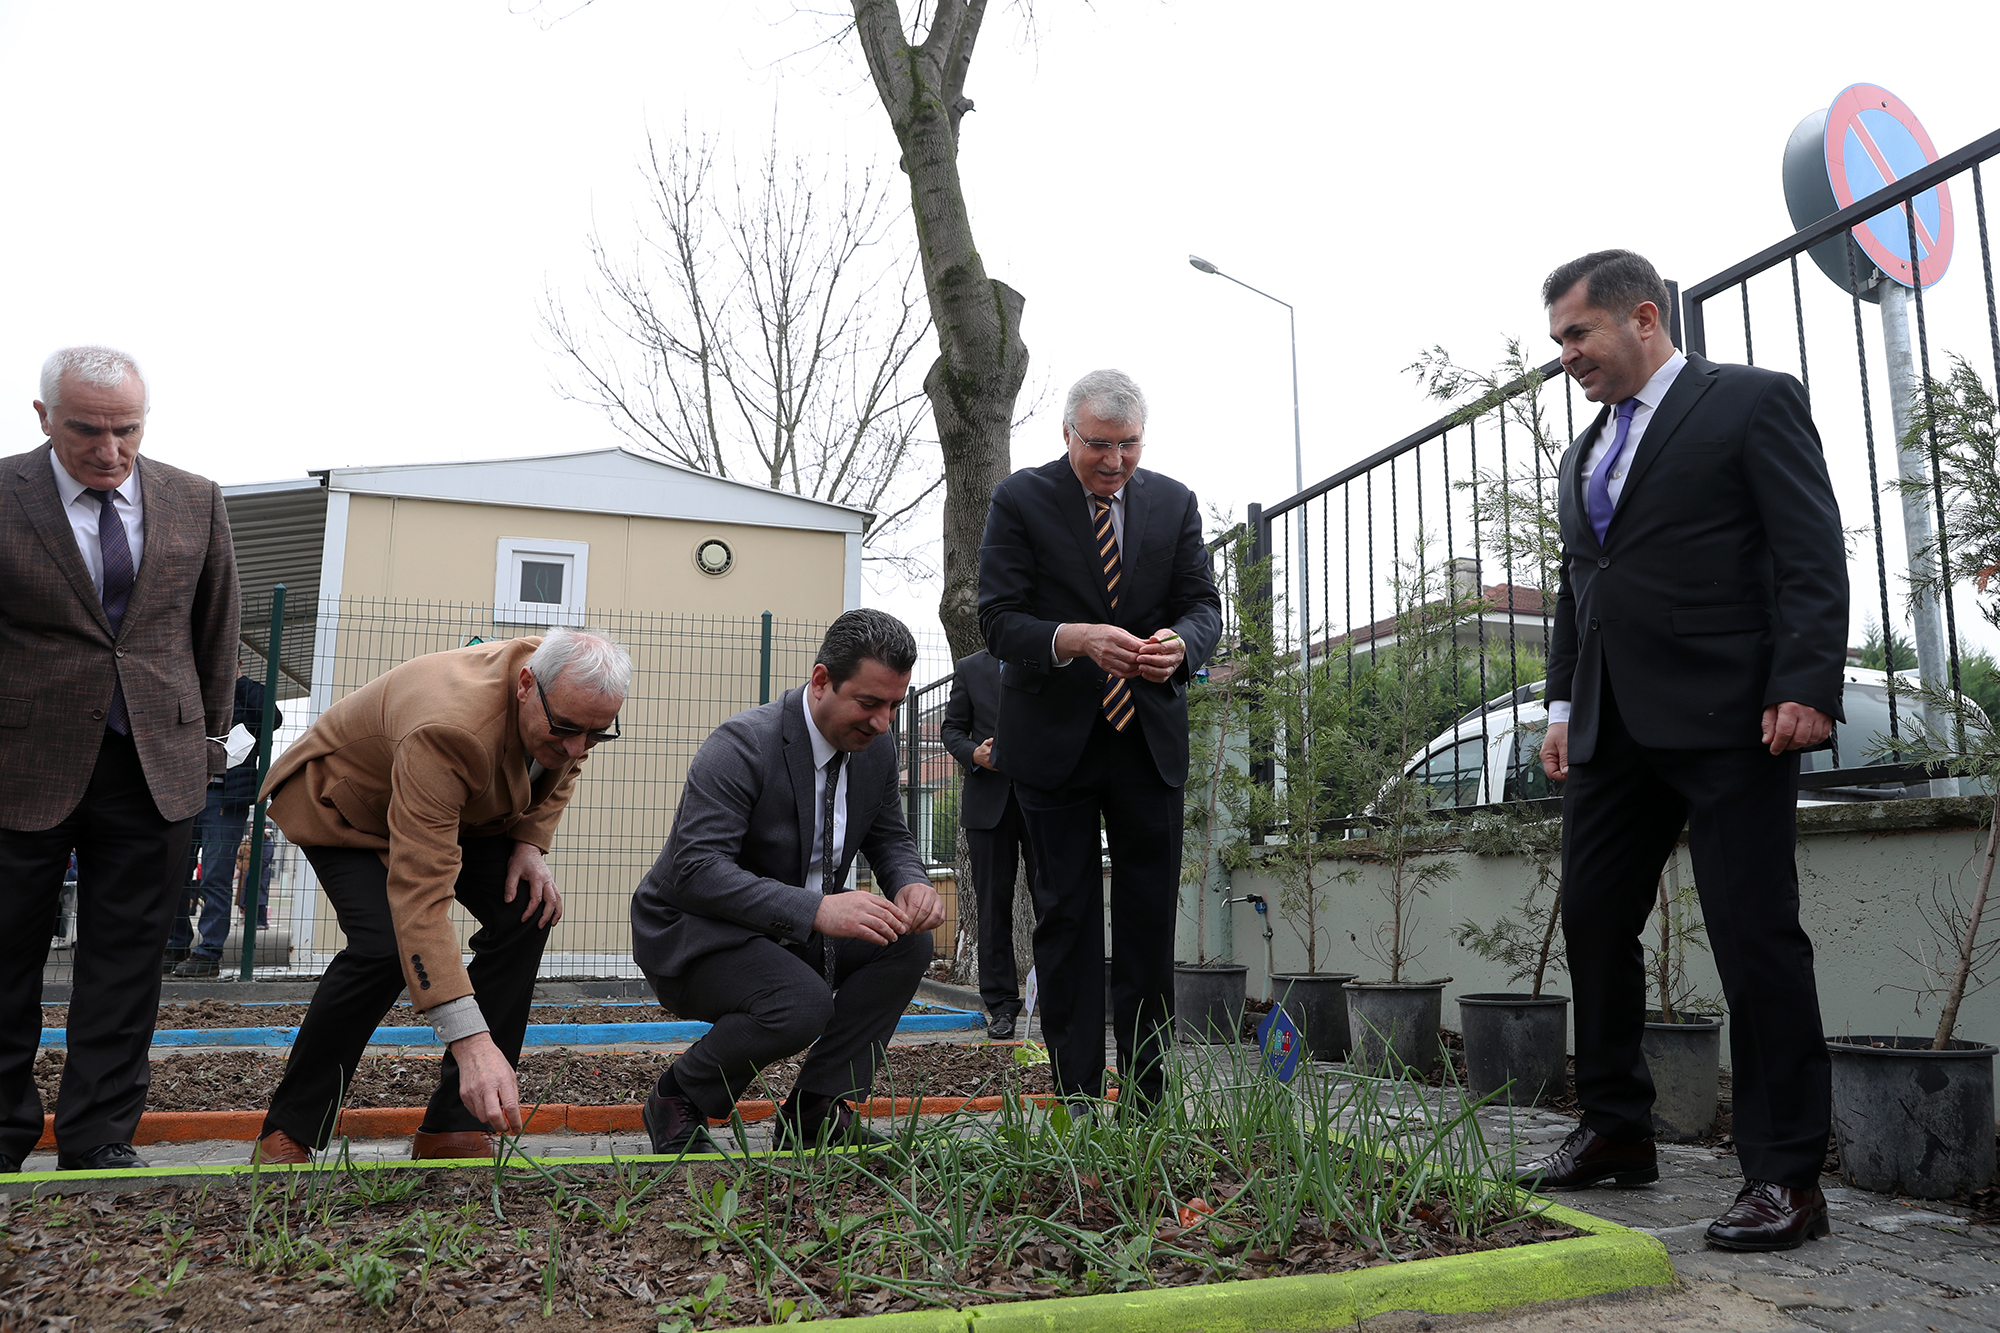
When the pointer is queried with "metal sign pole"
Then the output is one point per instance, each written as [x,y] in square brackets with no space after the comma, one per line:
[1933,661]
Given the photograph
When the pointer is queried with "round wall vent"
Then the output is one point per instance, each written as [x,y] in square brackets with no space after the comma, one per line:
[714,557]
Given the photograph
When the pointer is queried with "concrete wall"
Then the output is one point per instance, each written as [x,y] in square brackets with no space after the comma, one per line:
[1867,876]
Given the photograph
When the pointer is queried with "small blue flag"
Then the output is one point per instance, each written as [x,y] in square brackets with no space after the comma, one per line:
[1280,1040]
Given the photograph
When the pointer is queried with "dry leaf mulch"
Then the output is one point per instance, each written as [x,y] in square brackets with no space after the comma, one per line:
[245,1080]
[464,1252]
[227,1014]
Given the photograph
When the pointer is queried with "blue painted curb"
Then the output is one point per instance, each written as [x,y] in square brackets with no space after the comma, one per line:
[539,1034]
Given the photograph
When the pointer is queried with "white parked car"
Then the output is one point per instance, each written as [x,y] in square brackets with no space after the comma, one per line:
[1493,753]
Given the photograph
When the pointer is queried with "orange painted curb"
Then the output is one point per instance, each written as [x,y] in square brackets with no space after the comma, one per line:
[389,1122]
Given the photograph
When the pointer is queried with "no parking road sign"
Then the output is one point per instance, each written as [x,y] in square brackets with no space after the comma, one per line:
[1867,140]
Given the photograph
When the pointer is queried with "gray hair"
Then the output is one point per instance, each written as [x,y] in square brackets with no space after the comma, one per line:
[595,661]
[1110,394]
[106,367]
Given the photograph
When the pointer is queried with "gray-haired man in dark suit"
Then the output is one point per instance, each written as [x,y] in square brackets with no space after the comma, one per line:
[117,664]
[743,921]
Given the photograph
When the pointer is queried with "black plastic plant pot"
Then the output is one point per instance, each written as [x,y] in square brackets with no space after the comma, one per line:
[1317,1003]
[1393,1026]
[1685,1059]
[1911,1120]
[1516,1047]
[1208,1001]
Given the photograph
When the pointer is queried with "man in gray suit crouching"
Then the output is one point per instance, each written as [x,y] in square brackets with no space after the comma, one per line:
[743,922]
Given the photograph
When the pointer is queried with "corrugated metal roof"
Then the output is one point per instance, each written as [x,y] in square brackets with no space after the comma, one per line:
[279,533]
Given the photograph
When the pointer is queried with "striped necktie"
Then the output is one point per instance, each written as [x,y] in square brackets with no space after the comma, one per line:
[829,865]
[1118,706]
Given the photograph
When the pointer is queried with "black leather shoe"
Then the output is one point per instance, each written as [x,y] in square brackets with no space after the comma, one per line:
[810,1123]
[104,1157]
[1587,1158]
[676,1125]
[9,1165]
[1001,1027]
[174,958]
[198,969]
[1766,1216]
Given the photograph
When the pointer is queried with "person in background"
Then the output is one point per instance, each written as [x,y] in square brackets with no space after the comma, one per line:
[994,833]
[218,830]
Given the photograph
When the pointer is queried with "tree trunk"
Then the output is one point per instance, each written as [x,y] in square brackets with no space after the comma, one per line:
[981,359]
[1024,928]
[965,950]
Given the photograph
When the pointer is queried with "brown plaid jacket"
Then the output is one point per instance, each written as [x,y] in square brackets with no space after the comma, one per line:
[175,651]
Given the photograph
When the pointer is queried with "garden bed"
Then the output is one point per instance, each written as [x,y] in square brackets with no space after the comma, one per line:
[244,1080]
[228,1014]
[1247,1180]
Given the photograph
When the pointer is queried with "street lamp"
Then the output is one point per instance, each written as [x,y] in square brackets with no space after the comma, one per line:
[1298,456]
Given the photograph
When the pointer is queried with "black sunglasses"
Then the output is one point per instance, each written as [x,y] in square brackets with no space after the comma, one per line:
[562,730]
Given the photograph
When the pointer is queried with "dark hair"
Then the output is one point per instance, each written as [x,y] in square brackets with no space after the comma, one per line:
[1616,281]
[862,634]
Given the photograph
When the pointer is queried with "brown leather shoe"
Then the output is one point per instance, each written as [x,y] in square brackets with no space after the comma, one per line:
[675,1125]
[458,1143]
[279,1149]
[1587,1158]
[1767,1216]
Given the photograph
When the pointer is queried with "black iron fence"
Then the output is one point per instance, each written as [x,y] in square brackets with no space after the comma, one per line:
[1462,510]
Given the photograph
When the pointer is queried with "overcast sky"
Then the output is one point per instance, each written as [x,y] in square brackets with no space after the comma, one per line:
[325,229]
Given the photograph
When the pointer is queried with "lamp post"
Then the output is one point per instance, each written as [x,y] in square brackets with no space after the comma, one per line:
[1298,459]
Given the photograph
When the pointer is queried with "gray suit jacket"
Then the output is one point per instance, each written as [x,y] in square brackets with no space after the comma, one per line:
[737,863]
[175,652]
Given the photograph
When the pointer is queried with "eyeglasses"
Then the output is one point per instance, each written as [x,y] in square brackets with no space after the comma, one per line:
[563,731]
[1107,446]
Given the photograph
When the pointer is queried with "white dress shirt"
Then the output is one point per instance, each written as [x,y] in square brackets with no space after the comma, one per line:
[1090,499]
[1649,402]
[823,752]
[83,510]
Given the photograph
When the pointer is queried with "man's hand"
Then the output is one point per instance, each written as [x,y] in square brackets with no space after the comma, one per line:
[1555,751]
[921,907]
[982,755]
[486,1082]
[1107,645]
[859,916]
[1794,727]
[1162,655]
[526,866]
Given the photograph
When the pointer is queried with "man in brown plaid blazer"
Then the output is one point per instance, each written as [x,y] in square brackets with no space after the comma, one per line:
[118,663]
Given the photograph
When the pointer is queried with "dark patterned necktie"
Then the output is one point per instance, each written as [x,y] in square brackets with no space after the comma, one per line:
[1118,706]
[829,864]
[116,554]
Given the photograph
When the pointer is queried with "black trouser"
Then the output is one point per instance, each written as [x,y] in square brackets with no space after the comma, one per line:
[769,1000]
[365,978]
[995,853]
[1117,785]
[1623,811]
[129,864]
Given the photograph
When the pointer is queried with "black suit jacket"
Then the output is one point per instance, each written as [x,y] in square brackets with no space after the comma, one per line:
[1038,569]
[1721,583]
[971,716]
[737,864]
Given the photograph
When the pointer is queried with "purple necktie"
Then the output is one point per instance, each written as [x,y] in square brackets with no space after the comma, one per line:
[117,557]
[1600,480]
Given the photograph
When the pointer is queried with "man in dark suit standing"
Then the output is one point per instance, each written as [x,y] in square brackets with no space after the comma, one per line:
[1698,645]
[118,649]
[744,923]
[201,920]
[1095,594]
[994,834]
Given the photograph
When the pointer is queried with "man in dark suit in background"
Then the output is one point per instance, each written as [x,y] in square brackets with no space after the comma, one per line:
[994,834]
[744,923]
[1699,637]
[117,659]
[1095,594]
[193,952]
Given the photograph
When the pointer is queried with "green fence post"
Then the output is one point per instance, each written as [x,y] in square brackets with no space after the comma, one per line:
[764,672]
[253,875]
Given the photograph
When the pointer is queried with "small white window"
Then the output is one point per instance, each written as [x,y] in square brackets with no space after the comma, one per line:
[540,581]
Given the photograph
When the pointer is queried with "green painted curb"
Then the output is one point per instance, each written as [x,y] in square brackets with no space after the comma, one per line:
[1609,1258]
